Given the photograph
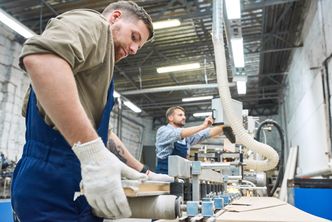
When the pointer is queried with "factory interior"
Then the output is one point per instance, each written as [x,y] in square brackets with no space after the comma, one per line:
[259,68]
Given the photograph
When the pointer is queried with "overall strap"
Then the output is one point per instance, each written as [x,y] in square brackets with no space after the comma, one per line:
[38,130]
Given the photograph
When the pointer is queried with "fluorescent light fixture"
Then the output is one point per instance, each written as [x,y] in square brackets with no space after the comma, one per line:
[233,9]
[116,94]
[132,106]
[166,24]
[15,25]
[190,99]
[202,114]
[190,66]
[241,87]
[237,51]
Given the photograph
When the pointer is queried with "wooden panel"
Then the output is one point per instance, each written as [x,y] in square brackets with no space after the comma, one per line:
[148,188]
[272,212]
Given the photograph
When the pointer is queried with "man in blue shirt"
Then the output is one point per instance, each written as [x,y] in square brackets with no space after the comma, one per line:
[174,139]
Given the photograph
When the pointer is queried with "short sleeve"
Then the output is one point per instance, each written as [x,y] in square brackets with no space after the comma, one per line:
[73,36]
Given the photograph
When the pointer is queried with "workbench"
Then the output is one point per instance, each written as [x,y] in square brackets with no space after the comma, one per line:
[264,209]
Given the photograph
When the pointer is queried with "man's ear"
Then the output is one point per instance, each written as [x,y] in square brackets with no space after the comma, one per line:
[170,118]
[115,15]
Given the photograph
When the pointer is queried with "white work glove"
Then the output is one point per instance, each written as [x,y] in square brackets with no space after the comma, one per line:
[101,179]
[161,177]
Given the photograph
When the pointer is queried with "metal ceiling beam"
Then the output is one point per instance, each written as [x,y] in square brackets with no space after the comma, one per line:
[170,88]
[181,15]
[264,111]
[132,82]
[50,7]
[267,34]
[147,107]
[275,50]
[267,74]
[265,3]
[282,49]
[174,103]
[281,17]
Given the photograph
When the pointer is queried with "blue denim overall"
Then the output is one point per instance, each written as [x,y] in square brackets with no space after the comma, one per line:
[179,149]
[49,173]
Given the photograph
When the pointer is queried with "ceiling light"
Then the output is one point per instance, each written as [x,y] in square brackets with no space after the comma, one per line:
[15,25]
[237,51]
[132,106]
[190,66]
[116,94]
[190,99]
[233,9]
[241,87]
[202,114]
[166,24]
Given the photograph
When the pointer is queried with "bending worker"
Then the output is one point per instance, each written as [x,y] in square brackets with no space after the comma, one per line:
[67,112]
[174,139]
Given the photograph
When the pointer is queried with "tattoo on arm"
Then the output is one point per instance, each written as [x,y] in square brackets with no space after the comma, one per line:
[117,150]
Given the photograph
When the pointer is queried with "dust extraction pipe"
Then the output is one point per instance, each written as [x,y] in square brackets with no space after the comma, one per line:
[243,137]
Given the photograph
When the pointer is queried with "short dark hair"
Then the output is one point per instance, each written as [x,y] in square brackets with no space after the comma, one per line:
[134,9]
[171,110]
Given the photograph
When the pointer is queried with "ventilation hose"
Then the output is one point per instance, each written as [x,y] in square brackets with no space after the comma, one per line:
[243,137]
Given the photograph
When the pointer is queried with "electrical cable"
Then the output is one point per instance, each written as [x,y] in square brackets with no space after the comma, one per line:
[281,160]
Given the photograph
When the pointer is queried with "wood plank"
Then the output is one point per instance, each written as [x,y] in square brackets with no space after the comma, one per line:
[146,188]
[289,172]
[280,213]
[249,203]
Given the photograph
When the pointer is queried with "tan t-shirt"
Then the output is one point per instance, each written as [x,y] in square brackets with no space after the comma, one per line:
[83,38]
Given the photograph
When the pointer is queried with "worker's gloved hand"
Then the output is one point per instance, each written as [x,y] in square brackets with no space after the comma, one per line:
[228,132]
[101,179]
[159,177]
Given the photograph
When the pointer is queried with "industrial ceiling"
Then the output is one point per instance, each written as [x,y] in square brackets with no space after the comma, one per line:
[270,30]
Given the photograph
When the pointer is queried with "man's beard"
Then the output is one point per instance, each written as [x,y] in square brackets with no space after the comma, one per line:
[179,124]
[116,54]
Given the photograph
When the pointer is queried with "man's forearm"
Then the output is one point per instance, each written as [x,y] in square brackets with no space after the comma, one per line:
[189,131]
[214,131]
[119,149]
[56,90]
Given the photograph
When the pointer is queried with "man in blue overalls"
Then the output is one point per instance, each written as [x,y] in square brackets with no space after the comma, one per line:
[174,139]
[67,112]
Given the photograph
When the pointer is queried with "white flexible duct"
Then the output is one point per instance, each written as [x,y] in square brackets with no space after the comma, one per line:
[242,136]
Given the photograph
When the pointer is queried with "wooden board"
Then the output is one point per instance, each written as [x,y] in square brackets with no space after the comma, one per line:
[249,203]
[289,172]
[147,188]
[271,213]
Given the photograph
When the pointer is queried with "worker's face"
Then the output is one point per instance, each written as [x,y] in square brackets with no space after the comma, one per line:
[178,118]
[129,34]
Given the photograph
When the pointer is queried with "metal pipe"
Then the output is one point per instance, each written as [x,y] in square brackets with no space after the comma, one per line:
[215,165]
[171,88]
[234,178]
[248,188]
[195,188]
[324,172]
